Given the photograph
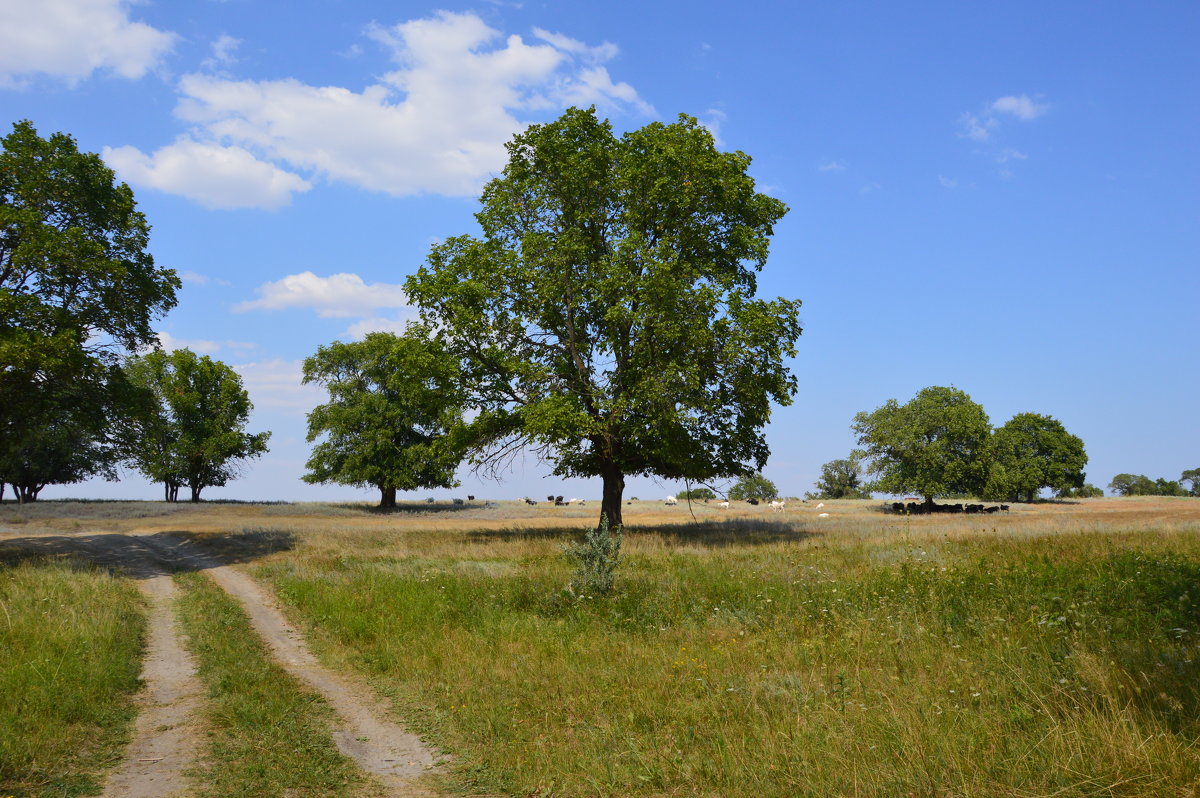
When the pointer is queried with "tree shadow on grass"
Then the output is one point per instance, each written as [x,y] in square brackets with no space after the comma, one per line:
[410,508]
[147,556]
[714,534]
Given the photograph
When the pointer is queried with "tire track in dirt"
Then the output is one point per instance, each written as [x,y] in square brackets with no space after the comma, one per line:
[363,733]
[166,734]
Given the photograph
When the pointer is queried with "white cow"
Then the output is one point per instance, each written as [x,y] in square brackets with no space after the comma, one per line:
[723,505]
[574,501]
[777,507]
[819,506]
[670,500]
[822,515]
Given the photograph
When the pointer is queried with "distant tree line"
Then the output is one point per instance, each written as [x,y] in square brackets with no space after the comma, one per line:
[1188,484]
[941,443]
[78,294]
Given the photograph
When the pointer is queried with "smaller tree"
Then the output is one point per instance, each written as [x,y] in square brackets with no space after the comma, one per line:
[1192,475]
[391,413]
[1032,452]
[696,494]
[1086,491]
[931,445]
[841,479]
[753,486]
[189,427]
[1133,485]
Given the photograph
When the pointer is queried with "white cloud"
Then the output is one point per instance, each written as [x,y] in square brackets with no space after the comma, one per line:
[337,296]
[277,384]
[1021,107]
[1009,154]
[712,121]
[198,345]
[194,277]
[359,329]
[436,124]
[980,126]
[869,188]
[222,52]
[71,39]
[947,182]
[216,176]
[831,166]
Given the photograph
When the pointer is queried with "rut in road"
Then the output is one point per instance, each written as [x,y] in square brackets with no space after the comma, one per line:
[363,732]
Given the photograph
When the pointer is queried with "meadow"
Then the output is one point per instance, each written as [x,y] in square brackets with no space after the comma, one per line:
[1049,651]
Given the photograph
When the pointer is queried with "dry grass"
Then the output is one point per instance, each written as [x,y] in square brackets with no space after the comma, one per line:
[1051,650]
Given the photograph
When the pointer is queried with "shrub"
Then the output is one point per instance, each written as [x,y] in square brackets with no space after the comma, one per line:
[595,559]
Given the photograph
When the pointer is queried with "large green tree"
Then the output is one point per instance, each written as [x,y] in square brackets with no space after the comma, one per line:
[77,289]
[931,445]
[394,402]
[1032,452]
[190,427]
[753,486]
[606,316]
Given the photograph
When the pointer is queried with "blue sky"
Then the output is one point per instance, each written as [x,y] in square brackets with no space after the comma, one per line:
[1002,197]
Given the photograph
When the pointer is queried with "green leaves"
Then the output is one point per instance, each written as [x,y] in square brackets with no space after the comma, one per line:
[608,308]
[394,420]
[189,426]
[1032,452]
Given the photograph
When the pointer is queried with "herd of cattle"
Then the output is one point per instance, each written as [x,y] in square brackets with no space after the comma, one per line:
[917,508]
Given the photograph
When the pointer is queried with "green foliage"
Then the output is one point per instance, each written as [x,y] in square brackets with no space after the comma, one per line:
[841,479]
[596,558]
[77,287]
[1085,491]
[394,403]
[1029,453]
[932,445]
[753,486]
[606,316]
[1141,485]
[1192,475]
[189,426]
[696,494]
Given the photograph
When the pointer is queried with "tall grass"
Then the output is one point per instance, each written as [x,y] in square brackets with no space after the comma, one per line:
[269,736]
[70,646]
[983,665]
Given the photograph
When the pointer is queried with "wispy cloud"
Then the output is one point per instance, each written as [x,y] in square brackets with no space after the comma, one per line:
[1021,107]
[277,384]
[947,182]
[222,53]
[980,125]
[831,166]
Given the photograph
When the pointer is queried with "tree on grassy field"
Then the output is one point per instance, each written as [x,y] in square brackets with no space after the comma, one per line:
[1085,491]
[753,486]
[932,445]
[1031,452]
[77,288]
[393,403]
[696,494]
[1192,475]
[189,428]
[606,317]
[841,479]
[1141,485]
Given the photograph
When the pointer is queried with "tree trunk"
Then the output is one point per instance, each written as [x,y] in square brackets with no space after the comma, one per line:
[387,498]
[614,491]
[196,492]
[166,491]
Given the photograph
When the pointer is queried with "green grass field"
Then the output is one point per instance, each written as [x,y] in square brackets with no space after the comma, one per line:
[70,648]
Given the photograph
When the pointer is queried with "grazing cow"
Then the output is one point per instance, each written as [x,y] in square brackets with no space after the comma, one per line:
[1004,507]
[777,507]
[573,500]
[723,505]
[558,501]
[470,498]
[753,501]
[822,515]
[820,505]
[549,498]
[529,501]
[670,501]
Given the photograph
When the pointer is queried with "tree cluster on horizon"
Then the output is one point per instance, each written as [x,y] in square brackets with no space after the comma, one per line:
[1141,485]
[941,443]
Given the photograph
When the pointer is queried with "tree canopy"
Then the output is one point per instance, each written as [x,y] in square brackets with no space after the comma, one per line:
[394,402]
[607,314]
[1142,485]
[932,445]
[77,288]
[841,479]
[1192,475]
[1032,452]
[189,428]
[753,486]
